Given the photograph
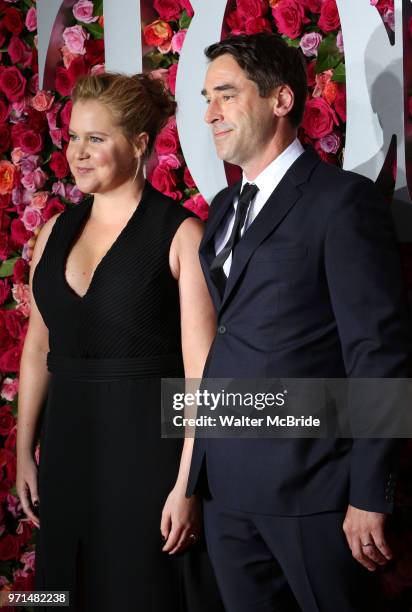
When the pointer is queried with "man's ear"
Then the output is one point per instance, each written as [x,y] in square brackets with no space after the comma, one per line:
[140,144]
[283,101]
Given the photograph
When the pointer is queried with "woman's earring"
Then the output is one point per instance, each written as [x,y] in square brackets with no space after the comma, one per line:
[138,168]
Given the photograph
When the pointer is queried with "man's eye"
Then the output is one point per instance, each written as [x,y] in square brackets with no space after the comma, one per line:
[227,97]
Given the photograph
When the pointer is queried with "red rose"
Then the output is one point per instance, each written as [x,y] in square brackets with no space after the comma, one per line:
[157,33]
[319,118]
[4,290]
[167,9]
[4,138]
[19,234]
[20,270]
[198,205]
[36,120]
[10,443]
[94,51]
[188,179]
[9,547]
[5,202]
[10,359]
[290,17]
[31,142]
[13,21]
[12,83]
[52,207]
[4,246]
[58,163]
[340,102]
[185,4]
[235,23]
[311,73]
[314,6]
[164,180]
[19,52]
[329,16]
[66,113]
[327,157]
[167,141]
[6,420]
[251,8]
[171,78]
[78,67]
[64,82]
[4,111]
[25,583]
[16,323]
[17,131]
[5,340]
[257,24]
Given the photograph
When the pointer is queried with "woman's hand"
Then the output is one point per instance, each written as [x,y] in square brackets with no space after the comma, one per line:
[181,520]
[26,485]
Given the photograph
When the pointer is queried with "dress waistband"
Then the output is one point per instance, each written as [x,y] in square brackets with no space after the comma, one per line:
[113,368]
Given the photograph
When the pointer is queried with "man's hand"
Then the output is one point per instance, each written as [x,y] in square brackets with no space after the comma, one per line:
[365,535]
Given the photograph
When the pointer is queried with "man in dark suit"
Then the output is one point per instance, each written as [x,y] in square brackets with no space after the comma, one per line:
[302,264]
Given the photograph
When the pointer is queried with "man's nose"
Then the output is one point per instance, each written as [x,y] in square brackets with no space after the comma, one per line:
[213,112]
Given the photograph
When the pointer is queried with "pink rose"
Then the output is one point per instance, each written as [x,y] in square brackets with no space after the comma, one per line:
[319,118]
[329,16]
[73,193]
[172,78]
[17,155]
[9,388]
[309,43]
[83,11]
[31,19]
[28,558]
[52,116]
[31,218]
[178,40]
[56,136]
[39,199]
[21,295]
[167,9]
[167,141]
[98,69]
[42,101]
[59,188]
[251,8]
[198,205]
[339,41]
[162,74]
[68,56]
[29,163]
[74,38]
[13,505]
[170,160]
[33,181]
[290,17]
[330,143]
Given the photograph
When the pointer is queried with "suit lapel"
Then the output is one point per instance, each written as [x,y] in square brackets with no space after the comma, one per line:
[207,253]
[281,201]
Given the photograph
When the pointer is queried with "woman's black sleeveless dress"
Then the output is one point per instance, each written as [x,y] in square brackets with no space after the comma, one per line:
[105,472]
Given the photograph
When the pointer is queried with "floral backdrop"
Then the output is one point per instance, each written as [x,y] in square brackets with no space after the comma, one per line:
[35,183]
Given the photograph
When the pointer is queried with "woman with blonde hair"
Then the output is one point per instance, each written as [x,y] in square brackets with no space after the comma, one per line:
[119,301]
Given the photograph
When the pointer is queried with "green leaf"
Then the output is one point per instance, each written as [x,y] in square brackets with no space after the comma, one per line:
[291,42]
[98,7]
[95,29]
[6,268]
[339,74]
[184,21]
[329,55]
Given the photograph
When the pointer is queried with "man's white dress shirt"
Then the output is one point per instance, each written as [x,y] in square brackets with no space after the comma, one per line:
[266,181]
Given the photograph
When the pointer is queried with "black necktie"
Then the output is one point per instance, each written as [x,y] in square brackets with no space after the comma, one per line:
[216,269]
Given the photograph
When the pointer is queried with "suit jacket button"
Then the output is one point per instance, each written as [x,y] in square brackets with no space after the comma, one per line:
[221,329]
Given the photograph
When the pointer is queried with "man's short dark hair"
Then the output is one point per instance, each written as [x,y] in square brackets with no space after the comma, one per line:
[269,62]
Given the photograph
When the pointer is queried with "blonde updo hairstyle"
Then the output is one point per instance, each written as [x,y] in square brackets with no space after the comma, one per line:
[138,103]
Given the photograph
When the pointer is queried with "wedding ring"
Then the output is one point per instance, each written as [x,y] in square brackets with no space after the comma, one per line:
[369,544]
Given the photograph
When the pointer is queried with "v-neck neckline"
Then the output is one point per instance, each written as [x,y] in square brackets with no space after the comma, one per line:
[80,229]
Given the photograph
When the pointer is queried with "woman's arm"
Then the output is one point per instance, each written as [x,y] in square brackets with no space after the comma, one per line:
[198,325]
[33,384]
